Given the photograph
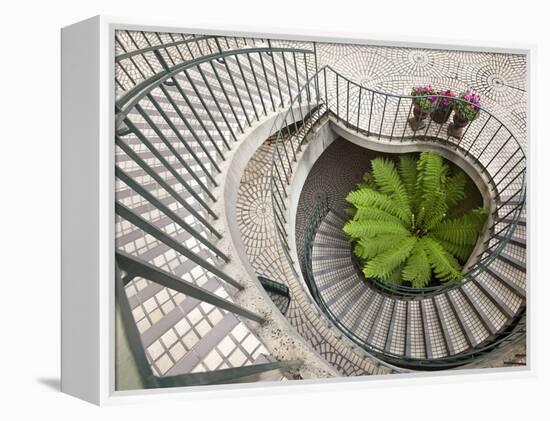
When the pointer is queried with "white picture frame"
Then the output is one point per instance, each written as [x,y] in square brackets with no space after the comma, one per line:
[88,214]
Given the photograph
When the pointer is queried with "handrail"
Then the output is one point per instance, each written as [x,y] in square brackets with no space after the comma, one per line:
[513,332]
[133,128]
[133,96]
[135,61]
[151,48]
[472,144]
[519,176]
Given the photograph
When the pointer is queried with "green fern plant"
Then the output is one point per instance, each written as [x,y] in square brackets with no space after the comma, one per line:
[401,222]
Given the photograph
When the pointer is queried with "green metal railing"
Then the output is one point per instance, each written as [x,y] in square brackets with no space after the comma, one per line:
[318,212]
[127,268]
[196,95]
[383,117]
[511,334]
[503,162]
[198,104]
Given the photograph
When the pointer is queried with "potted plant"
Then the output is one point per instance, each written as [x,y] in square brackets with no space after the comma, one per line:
[443,107]
[466,109]
[424,102]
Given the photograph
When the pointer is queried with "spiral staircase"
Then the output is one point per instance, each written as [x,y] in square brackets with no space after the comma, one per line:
[213,135]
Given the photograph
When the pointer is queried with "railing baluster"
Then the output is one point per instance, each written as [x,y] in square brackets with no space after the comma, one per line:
[226,95]
[359,107]
[498,152]
[189,104]
[337,99]
[220,109]
[256,82]
[145,167]
[175,153]
[326,89]
[205,107]
[247,88]
[165,162]
[134,185]
[405,125]
[370,114]
[382,120]
[190,128]
[478,133]
[282,165]
[277,77]
[489,142]
[508,173]
[395,119]
[298,86]
[267,80]
[506,163]
[347,103]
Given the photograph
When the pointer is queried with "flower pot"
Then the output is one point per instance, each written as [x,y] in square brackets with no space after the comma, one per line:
[441,115]
[456,128]
[420,114]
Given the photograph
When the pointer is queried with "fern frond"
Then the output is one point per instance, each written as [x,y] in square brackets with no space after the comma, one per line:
[432,173]
[350,211]
[460,251]
[384,264]
[437,211]
[454,188]
[417,269]
[409,174]
[368,182]
[396,277]
[442,262]
[389,182]
[364,213]
[369,229]
[370,198]
[371,247]
[463,230]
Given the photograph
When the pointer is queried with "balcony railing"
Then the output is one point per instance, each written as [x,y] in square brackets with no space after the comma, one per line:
[381,117]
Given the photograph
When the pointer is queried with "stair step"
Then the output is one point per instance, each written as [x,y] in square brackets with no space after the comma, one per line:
[515,262]
[336,254]
[415,342]
[326,232]
[333,246]
[348,300]
[371,312]
[510,200]
[476,305]
[397,331]
[520,221]
[329,283]
[366,300]
[317,272]
[472,326]
[497,300]
[335,224]
[435,342]
[455,335]
[338,216]
[379,333]
[520,242]
[511,285]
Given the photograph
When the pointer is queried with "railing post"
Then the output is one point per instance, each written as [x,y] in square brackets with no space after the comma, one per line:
[359,107]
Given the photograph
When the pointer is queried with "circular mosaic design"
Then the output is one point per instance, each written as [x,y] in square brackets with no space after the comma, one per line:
[498,79]
[421,62]
[419,58]
[363,67]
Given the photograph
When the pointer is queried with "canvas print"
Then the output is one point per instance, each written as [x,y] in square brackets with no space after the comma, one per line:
[291,210]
